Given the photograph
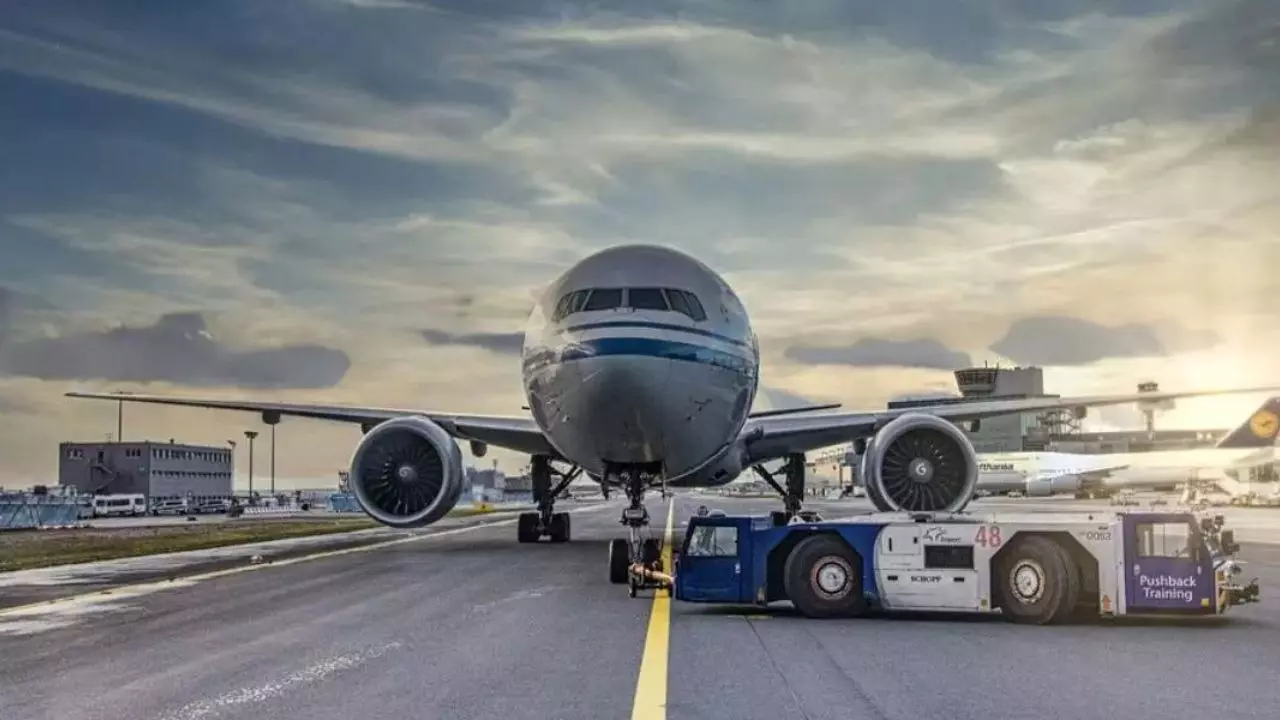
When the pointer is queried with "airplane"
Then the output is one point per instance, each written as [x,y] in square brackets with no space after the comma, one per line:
[639,368]
[1041,474]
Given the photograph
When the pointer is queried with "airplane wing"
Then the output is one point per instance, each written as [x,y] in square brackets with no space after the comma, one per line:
[768,438]
[512,433]
[794,411]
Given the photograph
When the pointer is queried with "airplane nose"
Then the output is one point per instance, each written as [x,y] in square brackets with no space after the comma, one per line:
[624,403]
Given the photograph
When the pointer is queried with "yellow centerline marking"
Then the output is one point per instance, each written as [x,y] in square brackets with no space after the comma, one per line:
[651,685]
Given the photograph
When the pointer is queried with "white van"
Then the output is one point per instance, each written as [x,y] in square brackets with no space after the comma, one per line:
[117,505]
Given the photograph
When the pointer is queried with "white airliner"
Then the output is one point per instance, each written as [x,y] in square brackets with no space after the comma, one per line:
[1040,474]
[640,366]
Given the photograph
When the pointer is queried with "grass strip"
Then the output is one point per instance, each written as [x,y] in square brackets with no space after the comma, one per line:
[24,550]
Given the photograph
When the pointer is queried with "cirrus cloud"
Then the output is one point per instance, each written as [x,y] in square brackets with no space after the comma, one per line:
[326,174]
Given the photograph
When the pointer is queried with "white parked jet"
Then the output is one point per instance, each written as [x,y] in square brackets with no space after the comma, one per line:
[640,366]
[1040,474]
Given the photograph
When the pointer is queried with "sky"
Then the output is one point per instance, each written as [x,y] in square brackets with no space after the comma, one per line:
[359,200]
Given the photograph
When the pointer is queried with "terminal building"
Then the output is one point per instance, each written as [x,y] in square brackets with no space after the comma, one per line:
[148,468]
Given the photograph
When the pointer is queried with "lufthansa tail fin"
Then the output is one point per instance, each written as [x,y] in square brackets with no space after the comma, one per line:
[1259,430]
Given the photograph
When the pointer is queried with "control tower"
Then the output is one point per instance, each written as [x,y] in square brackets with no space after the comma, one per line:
[987,382]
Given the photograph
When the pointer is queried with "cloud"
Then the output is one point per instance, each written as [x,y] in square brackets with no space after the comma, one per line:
[335,171]
[510,343]
[12,404]
[877,352]
[177,348]
[1060,340]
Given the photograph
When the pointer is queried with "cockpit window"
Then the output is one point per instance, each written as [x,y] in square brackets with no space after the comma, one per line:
[686,303]
[695,306]
[604,299]
[661,299]
[570,303]
[646,299]
[562,307]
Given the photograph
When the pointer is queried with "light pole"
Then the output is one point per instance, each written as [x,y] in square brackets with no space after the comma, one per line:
[119,421]
[272,418]
[251,434]
[232,444]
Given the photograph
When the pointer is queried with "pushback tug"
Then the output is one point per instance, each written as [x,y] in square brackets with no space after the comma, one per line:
[1031,568]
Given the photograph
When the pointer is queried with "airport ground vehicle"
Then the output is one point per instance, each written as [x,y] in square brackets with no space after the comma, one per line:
[119,505]
[1032,568]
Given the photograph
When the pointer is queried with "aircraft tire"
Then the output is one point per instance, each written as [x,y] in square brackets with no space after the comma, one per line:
[651,551]
[823,578]
[1038,582]
[527,528]
[559,530]
[619,561]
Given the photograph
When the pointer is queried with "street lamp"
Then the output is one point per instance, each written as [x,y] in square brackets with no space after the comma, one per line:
[232,445]
[272,418]
[251,434]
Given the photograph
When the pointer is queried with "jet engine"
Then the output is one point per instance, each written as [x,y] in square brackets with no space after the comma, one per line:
[920,463]
[1061,485]
[407,472]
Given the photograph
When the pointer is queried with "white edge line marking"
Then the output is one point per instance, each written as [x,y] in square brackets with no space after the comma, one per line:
[309,675]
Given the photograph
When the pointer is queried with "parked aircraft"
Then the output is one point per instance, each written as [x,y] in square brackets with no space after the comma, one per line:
[639,367]
[1040,474]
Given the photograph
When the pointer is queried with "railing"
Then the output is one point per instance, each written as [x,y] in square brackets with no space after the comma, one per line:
[21,511]
[343,503]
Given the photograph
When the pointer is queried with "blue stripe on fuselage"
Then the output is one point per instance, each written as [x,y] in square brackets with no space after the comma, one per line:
[642,347]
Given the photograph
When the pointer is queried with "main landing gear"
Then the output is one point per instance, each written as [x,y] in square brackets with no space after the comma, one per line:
[638,548]
[791,489]
[548,484]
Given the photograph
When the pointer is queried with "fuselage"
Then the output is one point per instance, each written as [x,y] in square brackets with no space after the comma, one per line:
[1047,465]
[640,355]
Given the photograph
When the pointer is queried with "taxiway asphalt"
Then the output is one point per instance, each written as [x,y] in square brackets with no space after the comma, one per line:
[470,624]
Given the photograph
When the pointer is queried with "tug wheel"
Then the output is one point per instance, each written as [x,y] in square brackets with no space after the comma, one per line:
[1038,582]
[823,578]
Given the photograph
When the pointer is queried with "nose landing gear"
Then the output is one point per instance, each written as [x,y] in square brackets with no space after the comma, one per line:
[638,550]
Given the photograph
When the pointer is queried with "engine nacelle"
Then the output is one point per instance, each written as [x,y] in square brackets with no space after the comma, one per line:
[407,472]
[1061,485]
[920,463]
